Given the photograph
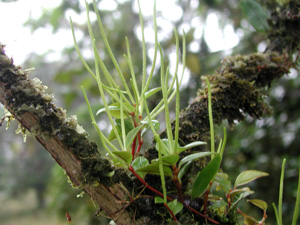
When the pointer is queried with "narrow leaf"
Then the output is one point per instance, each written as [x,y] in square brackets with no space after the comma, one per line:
[114,110]
[193,157]
[297,204]
[242,196]
[126,156]
[128,128]
[190,145]
[165,147]
[168,160]
[155,123]
[154,169]
[152,92]
[259,203]
[250,221]
[132,135]
[235,192]
[247,176]
[205,176]
[183,170]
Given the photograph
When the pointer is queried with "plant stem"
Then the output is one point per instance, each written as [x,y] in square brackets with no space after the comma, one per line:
[133,148]
[281,192]
[297,204]
[170,211]
[177,182]
[130,168]
[146,184]
[206,198]
[211,122]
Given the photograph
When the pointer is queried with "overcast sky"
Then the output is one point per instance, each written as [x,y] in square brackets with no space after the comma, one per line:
[21,42]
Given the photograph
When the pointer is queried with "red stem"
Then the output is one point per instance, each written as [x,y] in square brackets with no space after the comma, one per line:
[133,148]
[206,198]
[141,142]
[177,182]
[146,184]
[170,211]
[168,198]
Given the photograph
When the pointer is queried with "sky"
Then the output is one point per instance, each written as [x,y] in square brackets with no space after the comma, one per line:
[20,41]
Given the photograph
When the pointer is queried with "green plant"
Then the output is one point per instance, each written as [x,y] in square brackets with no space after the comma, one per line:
[278,211]
[130,118]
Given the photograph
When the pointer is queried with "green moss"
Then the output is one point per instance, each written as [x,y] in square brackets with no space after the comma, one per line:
[284,23]
[29,96]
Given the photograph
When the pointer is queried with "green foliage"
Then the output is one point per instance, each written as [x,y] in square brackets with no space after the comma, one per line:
[205,176]
[126,105]
[247,176]
[255,14]
[278,211]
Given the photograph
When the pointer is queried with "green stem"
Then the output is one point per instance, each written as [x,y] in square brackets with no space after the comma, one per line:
[111,53]
[297,204]
[281,192]
[211,122]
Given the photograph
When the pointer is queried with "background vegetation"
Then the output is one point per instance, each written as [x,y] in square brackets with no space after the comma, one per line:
[27,170]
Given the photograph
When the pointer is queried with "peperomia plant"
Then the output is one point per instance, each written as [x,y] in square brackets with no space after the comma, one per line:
[127,109]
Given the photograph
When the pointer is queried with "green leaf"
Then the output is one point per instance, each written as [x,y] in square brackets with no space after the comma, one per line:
[158,200]
[205,176]
[168,160]
[217,204]
[155,123]
[152,92]
[235,192]
[165,150]
[132,135]
[190,145]
[175,206]
[128,128]
[250,221]
[255,14]
[222,182]
[183,170]
[242,196]
[247,176]
[154,169]
[140,162]
[259,203]
[193,157]
[126,156]
[115,110]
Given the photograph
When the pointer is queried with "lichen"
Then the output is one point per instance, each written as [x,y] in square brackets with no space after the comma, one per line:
[25,95]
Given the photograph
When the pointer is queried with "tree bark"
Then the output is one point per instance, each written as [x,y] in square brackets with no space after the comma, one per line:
[31,114]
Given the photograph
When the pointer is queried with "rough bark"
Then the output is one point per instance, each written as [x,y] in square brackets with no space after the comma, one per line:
[48,124]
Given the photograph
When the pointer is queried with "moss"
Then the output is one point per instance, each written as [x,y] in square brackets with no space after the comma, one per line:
[284,34]
[29,96]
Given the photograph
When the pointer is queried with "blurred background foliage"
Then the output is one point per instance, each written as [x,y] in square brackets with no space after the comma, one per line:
[253,144]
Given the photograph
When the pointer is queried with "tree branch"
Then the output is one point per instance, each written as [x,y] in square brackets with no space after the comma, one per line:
[31,106]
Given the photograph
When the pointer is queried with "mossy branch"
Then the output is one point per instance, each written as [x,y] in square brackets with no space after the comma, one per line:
[238,88]
[26,100]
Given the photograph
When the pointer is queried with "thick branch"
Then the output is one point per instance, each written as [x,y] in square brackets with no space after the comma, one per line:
[27,102]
